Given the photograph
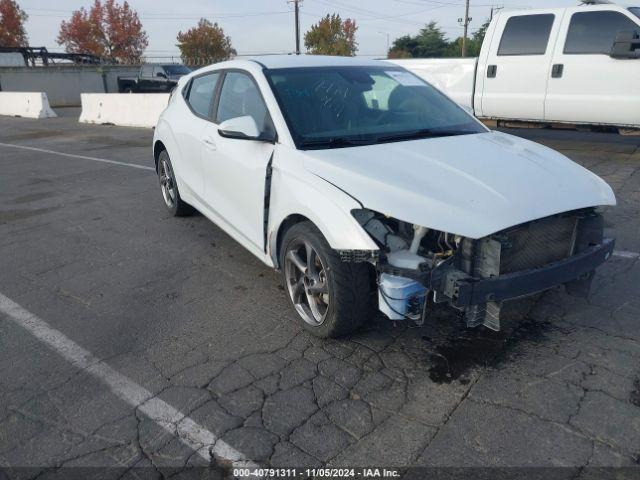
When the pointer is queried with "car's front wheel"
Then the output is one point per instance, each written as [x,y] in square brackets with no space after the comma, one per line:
[332,297]
[169,187]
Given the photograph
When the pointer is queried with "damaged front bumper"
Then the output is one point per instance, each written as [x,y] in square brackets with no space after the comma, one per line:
[464,290]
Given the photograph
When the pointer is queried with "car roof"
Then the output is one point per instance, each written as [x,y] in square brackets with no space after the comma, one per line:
[301,61]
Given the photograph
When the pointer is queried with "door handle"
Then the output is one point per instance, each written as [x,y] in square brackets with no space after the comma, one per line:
[557,70]
[492,71]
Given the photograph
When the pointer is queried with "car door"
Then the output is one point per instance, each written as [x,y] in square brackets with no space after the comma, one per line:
[586,83]
[191,118]
[234,169]
[518,64]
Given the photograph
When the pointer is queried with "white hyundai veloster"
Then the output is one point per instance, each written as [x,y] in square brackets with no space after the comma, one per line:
[368,188]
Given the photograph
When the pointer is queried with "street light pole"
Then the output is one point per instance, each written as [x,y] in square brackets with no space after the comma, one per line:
[387,34]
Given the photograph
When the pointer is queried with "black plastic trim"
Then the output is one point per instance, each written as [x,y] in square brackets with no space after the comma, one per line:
[527,282]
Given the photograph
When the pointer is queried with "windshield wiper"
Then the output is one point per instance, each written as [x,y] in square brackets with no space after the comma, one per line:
[337,142]
[423,133]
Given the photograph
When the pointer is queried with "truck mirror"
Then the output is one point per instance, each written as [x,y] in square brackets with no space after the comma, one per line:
[161,75]
[626,45]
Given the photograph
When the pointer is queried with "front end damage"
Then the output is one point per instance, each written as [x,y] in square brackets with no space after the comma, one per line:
[417,266]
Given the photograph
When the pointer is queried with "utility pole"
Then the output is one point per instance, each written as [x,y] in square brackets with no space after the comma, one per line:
[465,23]
[495,9]
[297,9]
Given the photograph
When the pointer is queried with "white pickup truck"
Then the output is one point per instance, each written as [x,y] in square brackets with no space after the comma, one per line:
[578,65]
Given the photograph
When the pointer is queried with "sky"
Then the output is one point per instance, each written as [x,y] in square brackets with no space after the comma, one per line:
[267,26]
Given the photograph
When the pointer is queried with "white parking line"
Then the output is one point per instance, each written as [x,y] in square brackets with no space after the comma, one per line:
[81,157]
[625,254]
[173,421]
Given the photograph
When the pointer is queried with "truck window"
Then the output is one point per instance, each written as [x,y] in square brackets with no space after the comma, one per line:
[147,71]
[201,92]
[526,35]
[157,69]
[595,32]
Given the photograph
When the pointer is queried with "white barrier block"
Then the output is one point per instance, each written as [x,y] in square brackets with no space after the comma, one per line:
[124,109]
[26,104]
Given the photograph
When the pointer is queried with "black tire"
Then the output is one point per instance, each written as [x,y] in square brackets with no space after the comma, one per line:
[169,188]
[351,297]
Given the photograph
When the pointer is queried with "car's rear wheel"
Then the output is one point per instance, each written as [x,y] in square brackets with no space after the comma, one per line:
[169,187]
[332,297]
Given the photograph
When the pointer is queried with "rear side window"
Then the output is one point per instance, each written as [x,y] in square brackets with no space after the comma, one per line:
[595,32]
[147,71]
[526,35]
[201,93]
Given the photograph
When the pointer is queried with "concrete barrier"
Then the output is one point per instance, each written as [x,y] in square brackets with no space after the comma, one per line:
[25,104]
[124,109]
[63,84]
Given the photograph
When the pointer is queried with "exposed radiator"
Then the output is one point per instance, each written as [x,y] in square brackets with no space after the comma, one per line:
[531,245]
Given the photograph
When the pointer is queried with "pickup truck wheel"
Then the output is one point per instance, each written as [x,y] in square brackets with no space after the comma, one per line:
[332,297]
[169,188]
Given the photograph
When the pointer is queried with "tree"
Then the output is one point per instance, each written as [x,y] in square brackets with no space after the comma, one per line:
[204,44]
[12,18]
[108,30]
[431,42]
[332,36]
[403,47]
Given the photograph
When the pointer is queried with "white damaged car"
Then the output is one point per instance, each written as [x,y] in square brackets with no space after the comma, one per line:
[368,188]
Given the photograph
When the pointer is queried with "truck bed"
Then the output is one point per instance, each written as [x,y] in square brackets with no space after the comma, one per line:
[453,76]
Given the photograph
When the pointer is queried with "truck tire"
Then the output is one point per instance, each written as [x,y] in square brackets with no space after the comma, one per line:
[333,298]
[169,188]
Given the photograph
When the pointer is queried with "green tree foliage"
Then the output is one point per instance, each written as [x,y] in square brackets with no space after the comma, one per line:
[432,43]
[332,36]
[204,44]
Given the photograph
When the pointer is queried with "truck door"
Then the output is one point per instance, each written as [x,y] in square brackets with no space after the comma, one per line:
[586,84]
[518,64]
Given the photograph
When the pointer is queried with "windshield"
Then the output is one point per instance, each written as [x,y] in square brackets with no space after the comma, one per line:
[176,69]
[329,107]
[635,11]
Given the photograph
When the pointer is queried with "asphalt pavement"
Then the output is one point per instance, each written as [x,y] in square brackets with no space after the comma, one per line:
[133,340]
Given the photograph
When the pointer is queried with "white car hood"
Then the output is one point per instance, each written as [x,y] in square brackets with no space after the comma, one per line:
[470,185]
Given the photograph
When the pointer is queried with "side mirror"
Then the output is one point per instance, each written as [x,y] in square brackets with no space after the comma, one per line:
[626,45]
[244,128]
[161,75]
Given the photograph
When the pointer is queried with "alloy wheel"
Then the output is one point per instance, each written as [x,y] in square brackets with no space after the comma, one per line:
[306,279]
[167,184]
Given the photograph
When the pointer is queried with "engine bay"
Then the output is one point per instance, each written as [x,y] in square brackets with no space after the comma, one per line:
[418,266]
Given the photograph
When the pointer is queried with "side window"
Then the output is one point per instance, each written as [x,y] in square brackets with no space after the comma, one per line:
[239,97]
[201,93]
[147,71]
[526,35]
[156,70]
[595,32]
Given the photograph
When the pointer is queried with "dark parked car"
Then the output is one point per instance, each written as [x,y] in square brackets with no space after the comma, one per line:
[153,78]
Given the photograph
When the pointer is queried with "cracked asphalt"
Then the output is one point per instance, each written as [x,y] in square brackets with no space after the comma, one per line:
[182,310]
